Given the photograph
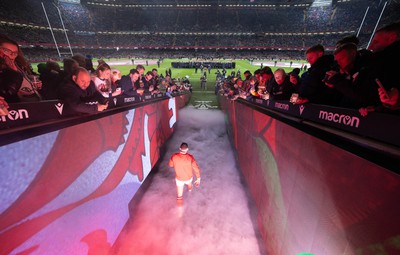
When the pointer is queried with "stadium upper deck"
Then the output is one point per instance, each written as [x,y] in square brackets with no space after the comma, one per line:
[292,24]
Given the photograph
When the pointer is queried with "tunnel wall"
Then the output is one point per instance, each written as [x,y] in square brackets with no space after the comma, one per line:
[67,191]
[311,195]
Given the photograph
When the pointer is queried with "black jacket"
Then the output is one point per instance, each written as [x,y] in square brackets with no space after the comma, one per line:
[355,87]
[283,91]
[312,87]
[363,90]
[384,67]
[10,83]
[128,88]
[78,100]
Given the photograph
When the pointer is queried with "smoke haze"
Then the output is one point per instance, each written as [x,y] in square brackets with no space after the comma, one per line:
[216,218]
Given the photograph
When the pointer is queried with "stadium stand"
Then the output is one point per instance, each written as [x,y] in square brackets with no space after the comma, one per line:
[295,25]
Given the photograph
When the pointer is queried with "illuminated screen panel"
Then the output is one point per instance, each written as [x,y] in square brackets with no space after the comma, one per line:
[67,192]
[312,196]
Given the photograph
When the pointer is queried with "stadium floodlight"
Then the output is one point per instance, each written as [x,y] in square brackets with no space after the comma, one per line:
[71,1]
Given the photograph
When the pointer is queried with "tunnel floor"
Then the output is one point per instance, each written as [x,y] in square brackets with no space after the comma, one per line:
[219,217]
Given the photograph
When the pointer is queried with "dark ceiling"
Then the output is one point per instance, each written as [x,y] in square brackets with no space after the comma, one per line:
[200,2]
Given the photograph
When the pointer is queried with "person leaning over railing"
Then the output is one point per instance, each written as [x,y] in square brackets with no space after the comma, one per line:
[243,89]
[17,82]
[80,94]
[281,88]
[163,85]
[115,79]
[155,82]
[173,89]
[51,78]
[351,79]
[102,81]
[253,90]
[10,83]
[141,69]
[265,80]
[295,79]
[312,88]
[372,82]
[148,84]
[385,46]
[128,83]
[245,93]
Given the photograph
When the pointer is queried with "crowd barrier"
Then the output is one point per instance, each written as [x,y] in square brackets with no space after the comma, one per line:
[376,125]
[376,131]
[312,174]
[22,114]
[67,183]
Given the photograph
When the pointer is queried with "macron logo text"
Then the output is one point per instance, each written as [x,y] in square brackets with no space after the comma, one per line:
[339,118]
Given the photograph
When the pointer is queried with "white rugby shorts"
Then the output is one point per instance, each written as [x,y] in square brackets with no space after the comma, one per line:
[181,183]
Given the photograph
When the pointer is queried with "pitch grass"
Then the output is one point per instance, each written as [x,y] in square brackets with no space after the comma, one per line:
[198,94]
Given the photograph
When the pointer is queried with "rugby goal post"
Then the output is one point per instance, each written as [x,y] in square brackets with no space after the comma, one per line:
[60,54]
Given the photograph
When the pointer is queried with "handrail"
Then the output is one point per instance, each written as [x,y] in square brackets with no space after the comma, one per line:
[46,118]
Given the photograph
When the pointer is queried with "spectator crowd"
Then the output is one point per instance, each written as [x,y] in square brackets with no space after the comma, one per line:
[364,79]
[352,76]
[277,27]
[83,88]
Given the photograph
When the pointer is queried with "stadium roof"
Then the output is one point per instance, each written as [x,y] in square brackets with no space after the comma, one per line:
[200,2]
